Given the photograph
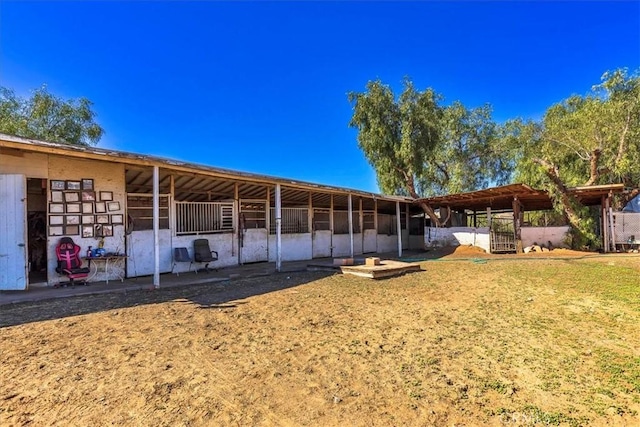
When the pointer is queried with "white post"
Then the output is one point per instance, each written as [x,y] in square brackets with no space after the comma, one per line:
[278,229]
[331,221]
[350,209]
[156,226]
[399,230]
[236,221]
[361,225]
[375,220]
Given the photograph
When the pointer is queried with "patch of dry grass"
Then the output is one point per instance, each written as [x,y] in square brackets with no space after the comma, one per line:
[514,341]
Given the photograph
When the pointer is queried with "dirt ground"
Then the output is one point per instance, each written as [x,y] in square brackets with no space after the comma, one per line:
[470,340]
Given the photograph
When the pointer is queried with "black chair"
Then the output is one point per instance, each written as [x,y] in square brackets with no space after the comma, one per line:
[181,255]
[202,253]
[69,262]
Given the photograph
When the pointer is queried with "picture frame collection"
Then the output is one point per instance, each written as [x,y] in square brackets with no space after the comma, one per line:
[77,209]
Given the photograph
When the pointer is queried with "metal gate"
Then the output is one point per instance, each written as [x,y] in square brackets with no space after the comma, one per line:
[503,235]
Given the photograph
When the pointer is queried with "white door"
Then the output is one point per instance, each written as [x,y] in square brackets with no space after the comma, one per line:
[369,241]
[321,243]
[13,233]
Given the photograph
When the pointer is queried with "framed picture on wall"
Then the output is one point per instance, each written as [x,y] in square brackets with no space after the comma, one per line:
[87,207]
[56,219]
[55,208]
[87,231]
[73,207]
[87,183]
[107,230]
[106,196]
[113,206]
[73,185]
[55,231]
[88,219]
[71,196]
[88,196]
[116,219]
[100,207]
[102,219]
[98,230]
[57,184]
[72,220]
[57,197]
[71,230]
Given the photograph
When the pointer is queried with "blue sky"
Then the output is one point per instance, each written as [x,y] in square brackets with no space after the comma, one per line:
[262,86]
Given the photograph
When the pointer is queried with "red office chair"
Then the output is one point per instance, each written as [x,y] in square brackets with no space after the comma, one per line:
[69,263]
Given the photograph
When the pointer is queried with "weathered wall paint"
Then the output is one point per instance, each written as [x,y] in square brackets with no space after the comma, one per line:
[543,235]
[106,177]
[295,247]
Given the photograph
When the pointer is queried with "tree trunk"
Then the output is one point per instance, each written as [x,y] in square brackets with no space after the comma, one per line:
[567,201]
[425,206]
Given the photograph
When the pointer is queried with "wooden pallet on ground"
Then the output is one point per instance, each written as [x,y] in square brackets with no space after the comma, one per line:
[386,268]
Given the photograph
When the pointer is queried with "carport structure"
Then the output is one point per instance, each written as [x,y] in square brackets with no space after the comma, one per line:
[504,208]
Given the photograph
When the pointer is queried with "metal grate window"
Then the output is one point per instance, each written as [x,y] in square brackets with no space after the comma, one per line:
[203,217]
[294,220]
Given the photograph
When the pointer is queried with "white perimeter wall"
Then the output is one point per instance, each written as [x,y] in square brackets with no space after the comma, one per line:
[543,235]
[456,236]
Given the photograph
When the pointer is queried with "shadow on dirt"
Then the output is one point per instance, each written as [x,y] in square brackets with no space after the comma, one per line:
[227,294]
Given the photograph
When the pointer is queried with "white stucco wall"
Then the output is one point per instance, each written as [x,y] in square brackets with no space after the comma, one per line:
[341,245]
[456,236]
[106,177]
[543,235]
[295,247]
[223,243]
[387,243]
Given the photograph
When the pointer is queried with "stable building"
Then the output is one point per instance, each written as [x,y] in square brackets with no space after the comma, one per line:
[143,207]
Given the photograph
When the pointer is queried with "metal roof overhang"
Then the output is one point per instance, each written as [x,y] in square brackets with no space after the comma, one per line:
[195,182]
[501,198]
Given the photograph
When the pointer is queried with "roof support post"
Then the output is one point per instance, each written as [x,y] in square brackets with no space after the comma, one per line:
[236,222]
[375,220]
[350,209]
[156,227]
[331,221]
[278,229]
[361,224]
[517,224]
[399,229]
[310,216]
[603,224]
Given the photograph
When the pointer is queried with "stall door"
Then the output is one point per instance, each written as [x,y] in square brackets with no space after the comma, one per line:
[13,233]
[254,236]
[369,234]
[321,233]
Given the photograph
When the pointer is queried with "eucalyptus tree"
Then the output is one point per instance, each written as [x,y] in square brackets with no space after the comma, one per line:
[47,117]
[420,147]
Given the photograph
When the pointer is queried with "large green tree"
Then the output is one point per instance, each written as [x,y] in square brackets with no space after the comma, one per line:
[583,140]
[420,147]
[47,117]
